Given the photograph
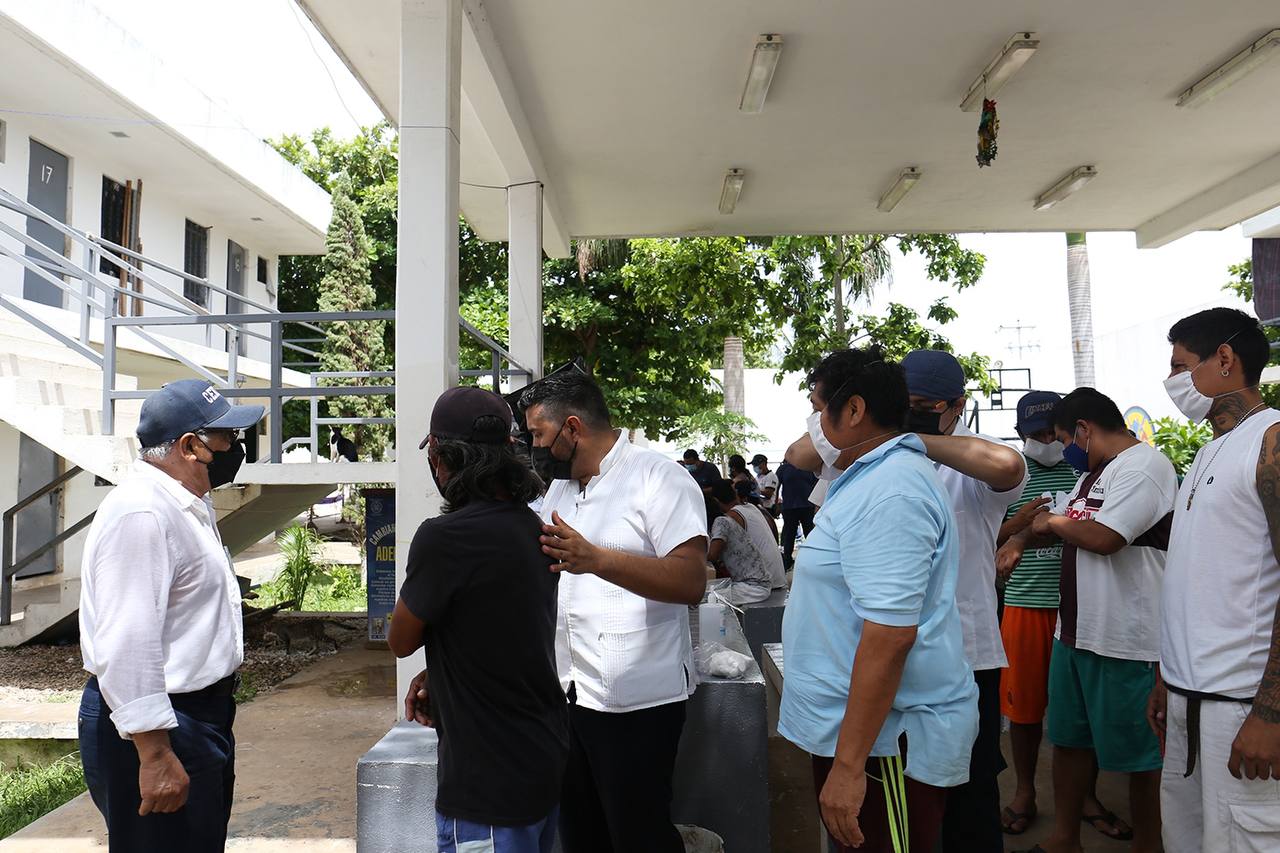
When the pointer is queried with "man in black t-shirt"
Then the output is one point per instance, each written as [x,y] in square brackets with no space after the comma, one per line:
[481,596]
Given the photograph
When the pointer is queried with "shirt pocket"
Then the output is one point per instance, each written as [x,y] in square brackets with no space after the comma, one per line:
[644,666]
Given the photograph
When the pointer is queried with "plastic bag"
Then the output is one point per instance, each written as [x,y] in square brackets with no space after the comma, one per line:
[699,840]
[717,661]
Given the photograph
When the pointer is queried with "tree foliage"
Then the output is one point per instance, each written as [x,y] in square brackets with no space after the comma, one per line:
[352,346]
[1180,440]
[1241,284]
[716,434]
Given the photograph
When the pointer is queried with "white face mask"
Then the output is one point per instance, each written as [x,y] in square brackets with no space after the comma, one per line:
[1047,455]
[828,451]
[1186,396]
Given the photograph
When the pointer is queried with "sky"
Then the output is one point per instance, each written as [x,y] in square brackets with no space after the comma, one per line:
[287,80]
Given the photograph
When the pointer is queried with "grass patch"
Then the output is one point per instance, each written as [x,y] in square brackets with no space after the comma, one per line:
[336,590]
[248,689]
[28,793]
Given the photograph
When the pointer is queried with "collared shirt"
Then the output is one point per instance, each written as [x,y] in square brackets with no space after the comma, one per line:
[159,602]
[980,511]
[883,549]
[1034,583]
[624,652]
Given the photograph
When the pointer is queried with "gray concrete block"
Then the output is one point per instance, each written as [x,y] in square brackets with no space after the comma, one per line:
[396,786]
[762,621]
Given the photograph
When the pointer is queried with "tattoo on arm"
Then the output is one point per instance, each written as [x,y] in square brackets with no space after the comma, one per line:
[1266,705]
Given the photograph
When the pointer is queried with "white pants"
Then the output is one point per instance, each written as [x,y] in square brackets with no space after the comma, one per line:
[747,593]
[1212,811]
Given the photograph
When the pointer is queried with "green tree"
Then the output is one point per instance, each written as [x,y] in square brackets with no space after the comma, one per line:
[355,346]
[716,433]
[1241,284]
[1180,440]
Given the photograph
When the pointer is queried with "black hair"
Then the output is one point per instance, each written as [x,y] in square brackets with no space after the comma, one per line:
[569,393]
[724,492]
[1202,333]
[864,372]
[489,472]
[737,463]
[690,455]
[1090,405]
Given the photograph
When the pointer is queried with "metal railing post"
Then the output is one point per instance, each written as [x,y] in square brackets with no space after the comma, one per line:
[109,332]
[277,392]
[6,579]
[315,428]
[233,356]
[497,372]
[86,288]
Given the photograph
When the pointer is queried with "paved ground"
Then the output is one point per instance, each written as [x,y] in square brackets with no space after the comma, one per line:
[794,823]
[296,758]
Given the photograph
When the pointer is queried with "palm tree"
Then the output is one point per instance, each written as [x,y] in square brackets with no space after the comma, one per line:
[858,264]
[1080,304]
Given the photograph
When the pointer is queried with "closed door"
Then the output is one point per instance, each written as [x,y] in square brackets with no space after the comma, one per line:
[38,523]
[48,178]
[236,260]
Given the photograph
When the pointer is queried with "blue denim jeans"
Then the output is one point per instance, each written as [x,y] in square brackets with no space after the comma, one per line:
[463,836]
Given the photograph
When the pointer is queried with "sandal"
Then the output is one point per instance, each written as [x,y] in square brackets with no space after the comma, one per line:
[1010,818]
[1109,820]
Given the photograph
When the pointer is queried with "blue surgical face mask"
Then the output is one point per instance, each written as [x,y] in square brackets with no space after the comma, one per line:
[1076,456]
[690,467]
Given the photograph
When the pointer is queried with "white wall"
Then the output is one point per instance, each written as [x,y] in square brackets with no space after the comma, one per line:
[162,228]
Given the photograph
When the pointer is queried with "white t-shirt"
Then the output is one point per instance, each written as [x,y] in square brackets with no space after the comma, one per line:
[762,540]
[1221,582]
[979,511]
[622,651]
[1111,604]
[768,480]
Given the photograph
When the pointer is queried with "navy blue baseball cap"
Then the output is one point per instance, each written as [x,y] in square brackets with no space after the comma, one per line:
[190,405]
[1035,411]
[934,375]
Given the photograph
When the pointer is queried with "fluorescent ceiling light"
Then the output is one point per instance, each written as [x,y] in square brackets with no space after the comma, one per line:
[906,180]
[1231,71]
[764,61]
[731,190]
[1013,56]
[1069,184]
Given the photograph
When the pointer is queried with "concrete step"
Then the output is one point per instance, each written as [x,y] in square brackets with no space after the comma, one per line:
[83,375]
[48,350]
[20,391]
[82,421]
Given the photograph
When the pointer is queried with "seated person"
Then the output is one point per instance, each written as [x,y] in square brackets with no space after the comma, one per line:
[744,492]
[735,552]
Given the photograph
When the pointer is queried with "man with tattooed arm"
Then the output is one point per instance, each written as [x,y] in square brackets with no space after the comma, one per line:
[1216,706]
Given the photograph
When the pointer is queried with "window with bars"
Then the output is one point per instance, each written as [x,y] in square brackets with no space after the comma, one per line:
[195,261]
[113,206]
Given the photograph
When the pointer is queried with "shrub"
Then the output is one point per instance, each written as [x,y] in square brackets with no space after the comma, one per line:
[299,546]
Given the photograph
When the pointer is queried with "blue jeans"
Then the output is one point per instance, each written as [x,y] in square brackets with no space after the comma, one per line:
[463,836]
[203,743]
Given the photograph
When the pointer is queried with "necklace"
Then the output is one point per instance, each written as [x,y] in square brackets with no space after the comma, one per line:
[1202,469]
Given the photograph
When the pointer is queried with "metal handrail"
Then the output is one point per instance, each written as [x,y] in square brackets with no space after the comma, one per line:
[8,568]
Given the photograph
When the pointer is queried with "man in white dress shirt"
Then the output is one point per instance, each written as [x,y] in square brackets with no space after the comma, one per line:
[161,631]
[627,527]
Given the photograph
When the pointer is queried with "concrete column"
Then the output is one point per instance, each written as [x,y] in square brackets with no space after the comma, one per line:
[735,391]
[524,277]
[427,257]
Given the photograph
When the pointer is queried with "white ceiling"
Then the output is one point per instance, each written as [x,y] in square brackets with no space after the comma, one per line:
[69,108]
[632,108]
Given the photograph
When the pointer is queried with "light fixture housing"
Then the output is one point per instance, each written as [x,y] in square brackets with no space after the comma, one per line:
[1013,56]
[1072,181]
[906,180]
[1232,71]
[731,190]
[764,61]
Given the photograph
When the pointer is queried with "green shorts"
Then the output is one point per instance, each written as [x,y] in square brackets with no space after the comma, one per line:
[1100,703]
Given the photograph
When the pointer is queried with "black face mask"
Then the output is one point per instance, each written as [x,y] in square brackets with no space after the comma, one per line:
[924,423]
[225,464]
[547,466]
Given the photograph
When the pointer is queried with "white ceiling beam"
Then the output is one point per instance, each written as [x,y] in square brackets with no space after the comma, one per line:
[489,88]
[1247,194]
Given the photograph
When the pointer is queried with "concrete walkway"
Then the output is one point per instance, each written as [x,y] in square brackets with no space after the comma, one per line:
[295,764]
[20,720]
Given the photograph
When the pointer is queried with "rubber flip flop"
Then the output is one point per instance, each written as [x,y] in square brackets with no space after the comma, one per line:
[1098,820]
[1011,817]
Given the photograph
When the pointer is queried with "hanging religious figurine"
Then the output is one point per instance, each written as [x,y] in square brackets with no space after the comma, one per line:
[988,128]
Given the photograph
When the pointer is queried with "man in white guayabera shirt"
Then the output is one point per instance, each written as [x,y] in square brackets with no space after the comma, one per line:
[1220,623]
[161,632]
[628,529]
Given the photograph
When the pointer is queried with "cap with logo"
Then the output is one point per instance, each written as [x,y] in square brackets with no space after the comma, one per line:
[759,459]
[934,375]
[1035,411]
[190,405]
[468,414]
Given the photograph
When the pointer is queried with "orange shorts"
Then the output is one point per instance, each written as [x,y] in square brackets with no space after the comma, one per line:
[1028,643]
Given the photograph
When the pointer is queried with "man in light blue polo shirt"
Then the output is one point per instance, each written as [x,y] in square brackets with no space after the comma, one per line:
[875,662]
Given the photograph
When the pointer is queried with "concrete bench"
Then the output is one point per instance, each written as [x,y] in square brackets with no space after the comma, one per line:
[721,779]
